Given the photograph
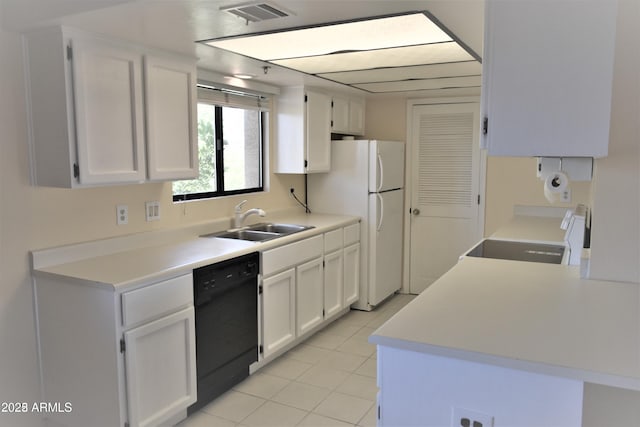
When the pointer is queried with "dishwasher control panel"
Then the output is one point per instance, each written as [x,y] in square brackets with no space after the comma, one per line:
[217,278]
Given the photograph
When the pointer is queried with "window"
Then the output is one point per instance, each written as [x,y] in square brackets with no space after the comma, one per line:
[231,128]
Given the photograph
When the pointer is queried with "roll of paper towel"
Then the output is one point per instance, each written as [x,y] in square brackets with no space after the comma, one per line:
[555,184]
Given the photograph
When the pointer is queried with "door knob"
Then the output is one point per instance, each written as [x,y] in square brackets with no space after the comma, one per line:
[415,211]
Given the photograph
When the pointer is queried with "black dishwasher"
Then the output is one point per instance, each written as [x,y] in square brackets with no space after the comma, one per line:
[226,306]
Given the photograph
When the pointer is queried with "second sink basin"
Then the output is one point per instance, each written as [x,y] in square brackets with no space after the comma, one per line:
[261,231]
[244,234]
[277,228]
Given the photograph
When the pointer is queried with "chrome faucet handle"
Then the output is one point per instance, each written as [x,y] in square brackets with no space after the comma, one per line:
[238,208]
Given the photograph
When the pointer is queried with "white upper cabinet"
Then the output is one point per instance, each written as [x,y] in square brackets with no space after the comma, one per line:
[171,103]
[88,122]
[304,131]
[347,115]
[107,89]
[547,77]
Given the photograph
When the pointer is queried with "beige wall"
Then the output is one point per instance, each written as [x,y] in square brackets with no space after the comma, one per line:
[386,118]
[18,359]
[39,217]
[512,181]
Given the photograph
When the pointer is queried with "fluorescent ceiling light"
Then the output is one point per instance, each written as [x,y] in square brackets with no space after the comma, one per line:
[427,84]
[244,76]
[407,42]
[431,71]
[393,57]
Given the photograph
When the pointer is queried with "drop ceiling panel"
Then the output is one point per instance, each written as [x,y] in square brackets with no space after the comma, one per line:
[393,57]
[371,34]
[468,68]
[428,84]
[410,51]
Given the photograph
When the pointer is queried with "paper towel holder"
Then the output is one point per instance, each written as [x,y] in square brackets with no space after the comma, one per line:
[577,168]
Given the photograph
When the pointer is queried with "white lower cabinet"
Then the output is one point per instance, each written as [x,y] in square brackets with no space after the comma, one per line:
[278,311]
[351,274]
[306,284]
[333,283]
[490,395]
[120,359]
[309,296]
[155,348]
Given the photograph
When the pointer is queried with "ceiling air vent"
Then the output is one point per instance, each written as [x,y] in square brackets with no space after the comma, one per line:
[256,11]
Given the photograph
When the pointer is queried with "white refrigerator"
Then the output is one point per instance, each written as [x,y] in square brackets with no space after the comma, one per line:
[367,180]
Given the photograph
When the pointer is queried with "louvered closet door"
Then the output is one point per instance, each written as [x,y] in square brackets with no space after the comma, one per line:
[445,188]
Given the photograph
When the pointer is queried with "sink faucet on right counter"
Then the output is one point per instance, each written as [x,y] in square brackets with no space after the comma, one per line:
[239,216]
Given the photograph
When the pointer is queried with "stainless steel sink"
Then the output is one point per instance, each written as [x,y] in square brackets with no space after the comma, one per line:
[278,228]
[255,236]
[260,232]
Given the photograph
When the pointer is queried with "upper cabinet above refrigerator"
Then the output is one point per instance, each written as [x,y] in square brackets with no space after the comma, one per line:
[547,77]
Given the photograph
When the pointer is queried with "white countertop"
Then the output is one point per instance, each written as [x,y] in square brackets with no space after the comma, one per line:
[125,269]
[530,316]
[536,317]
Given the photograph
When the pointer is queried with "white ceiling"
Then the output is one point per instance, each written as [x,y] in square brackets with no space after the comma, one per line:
[176,24]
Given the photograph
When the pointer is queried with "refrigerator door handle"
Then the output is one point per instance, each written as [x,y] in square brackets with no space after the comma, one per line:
[379,225]
[381,169]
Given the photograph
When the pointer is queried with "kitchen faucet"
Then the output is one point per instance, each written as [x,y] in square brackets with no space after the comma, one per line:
[240,217]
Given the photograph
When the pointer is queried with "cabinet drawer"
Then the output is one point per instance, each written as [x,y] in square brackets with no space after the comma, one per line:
[287,256]
[333,240]
[157,299]
[352,234]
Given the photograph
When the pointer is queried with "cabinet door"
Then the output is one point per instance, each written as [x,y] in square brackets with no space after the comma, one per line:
[356,117]
[318,132]
[160,360]
[351,274]
[172,139]
[340,115]
[278,311]
[547,77]
[333,281]
[309,295]
[109,122]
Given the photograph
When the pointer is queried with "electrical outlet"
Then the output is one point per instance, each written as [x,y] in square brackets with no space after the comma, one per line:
[462,417]
[152,211]
[122,214]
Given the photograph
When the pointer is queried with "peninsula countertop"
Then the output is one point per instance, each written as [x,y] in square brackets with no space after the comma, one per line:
[530,316]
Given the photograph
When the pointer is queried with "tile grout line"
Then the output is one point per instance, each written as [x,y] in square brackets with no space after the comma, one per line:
[344,323]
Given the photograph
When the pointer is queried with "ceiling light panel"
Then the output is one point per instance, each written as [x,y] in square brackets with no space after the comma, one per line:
[428,84]
[468,68]
[379,54]
[393,57]
[371,34]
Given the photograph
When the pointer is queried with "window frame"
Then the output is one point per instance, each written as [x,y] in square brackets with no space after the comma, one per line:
[219,148]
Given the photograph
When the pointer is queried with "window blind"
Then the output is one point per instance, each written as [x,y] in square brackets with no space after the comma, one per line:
[233,98]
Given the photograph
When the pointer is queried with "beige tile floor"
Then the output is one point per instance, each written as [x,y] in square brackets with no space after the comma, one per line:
[328,380]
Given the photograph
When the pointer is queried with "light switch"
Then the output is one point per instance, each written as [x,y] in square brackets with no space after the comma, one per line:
[152,210]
